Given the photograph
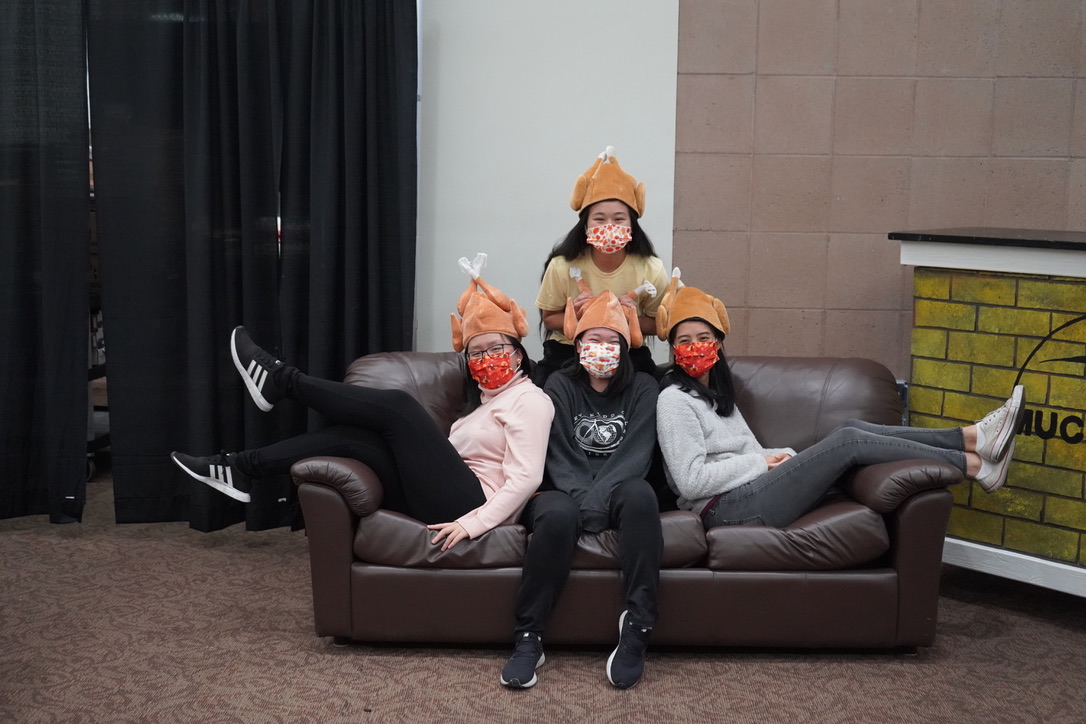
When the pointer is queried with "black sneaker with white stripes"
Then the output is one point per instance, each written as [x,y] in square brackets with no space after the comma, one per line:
[218,471]
[255,366]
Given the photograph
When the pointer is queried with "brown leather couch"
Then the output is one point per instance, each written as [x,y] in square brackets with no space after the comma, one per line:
[860,571]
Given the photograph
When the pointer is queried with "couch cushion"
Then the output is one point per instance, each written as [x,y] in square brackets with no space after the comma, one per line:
[684,544]
[844,534]
[392,539]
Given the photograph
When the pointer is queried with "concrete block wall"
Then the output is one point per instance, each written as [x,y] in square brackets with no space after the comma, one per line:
[806,131]
[976,335]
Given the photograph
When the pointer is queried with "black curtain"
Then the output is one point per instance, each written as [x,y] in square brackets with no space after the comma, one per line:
[210,119]
[44,275]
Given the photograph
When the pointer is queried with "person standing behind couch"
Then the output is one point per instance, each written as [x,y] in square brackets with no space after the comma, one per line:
[719,469]
[600,449]
[478,477]
[610,250]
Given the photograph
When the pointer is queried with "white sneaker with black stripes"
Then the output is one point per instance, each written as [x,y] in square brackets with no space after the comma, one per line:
[218,471]
[255,366]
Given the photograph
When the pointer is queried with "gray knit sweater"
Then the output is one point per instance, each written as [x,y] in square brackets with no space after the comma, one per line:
[706,454]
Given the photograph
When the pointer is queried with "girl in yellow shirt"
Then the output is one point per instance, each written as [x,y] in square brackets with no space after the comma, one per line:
[606,250]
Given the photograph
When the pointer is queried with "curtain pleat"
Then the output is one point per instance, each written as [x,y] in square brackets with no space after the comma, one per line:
[230,244]
[136,116]
[236,113]
[44,276]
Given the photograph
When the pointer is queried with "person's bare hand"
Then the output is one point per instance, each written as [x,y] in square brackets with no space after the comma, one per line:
[774,460]
[451,533]
[581,302]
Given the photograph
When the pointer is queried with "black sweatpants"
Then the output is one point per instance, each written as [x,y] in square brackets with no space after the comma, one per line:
[422,473]
[554,520]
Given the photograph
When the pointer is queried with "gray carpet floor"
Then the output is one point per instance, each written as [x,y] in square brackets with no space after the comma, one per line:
[159,623]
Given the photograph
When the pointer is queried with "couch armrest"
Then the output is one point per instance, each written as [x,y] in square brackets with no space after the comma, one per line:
[883,487]
[917,533]
[330,527]
[355,481]
[840,535]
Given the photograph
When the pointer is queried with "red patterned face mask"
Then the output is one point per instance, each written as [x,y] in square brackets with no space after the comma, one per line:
[609,238]
[493,371]
[696,358]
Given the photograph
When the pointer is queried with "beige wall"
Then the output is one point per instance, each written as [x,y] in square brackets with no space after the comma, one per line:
[807,130]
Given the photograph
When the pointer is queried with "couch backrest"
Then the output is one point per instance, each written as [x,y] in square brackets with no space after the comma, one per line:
[788,401]
[436,379]
[796,401]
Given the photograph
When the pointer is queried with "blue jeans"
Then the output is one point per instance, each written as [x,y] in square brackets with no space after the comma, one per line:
[781,495]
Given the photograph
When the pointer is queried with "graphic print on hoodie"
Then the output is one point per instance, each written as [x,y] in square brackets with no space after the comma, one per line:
[599,434]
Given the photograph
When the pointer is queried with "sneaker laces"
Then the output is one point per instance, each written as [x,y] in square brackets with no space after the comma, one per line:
[528,646]
[263,357]
[635,639]
[992,415]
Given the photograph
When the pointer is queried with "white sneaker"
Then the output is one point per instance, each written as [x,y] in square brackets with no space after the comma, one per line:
[998,428]
[993,474]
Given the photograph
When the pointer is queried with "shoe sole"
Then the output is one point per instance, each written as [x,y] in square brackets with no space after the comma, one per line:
[225,489]
[250,383]
[1002,471]
[515,683]
[1007,433]
[611,658]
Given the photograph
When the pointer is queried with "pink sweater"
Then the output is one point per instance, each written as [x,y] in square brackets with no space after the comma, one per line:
[504,442]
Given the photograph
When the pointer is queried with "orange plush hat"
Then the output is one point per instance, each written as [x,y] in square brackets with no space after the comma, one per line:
[605,180]
[682,302]
[604,311]
[484,309]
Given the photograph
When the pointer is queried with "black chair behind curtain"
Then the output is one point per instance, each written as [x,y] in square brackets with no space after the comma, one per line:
[44,283]
[210,119]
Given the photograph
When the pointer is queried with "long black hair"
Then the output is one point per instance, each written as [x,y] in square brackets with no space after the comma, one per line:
[623,377]
[473,397]
[575,242]
[719,393]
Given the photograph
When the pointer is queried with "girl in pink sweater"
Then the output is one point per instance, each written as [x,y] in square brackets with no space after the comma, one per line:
[478,477]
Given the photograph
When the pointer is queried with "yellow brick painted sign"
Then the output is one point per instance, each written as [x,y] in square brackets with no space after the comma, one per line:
[976,335]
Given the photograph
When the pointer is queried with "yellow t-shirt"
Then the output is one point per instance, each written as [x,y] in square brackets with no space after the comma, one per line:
[557,286]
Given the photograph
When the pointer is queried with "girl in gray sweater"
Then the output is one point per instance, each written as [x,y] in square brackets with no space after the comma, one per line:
[717,467]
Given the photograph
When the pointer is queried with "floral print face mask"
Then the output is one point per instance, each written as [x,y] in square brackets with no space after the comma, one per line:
[696,358]
[600,359]
[609,238]
[492,371]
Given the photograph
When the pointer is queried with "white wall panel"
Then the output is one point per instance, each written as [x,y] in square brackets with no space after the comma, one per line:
[517,99]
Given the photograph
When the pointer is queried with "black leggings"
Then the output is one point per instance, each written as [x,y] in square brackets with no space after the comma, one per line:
[422,474]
